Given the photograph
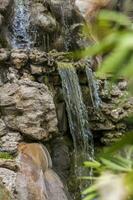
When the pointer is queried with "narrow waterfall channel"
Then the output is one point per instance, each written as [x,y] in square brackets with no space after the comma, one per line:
[66,25]
[20,25]
[93,86]
[77,116]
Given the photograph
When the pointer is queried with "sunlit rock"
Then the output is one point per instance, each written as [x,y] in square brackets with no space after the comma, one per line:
[28,107]
[35,179]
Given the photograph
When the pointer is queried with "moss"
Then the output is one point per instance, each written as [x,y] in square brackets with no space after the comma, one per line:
[5,155]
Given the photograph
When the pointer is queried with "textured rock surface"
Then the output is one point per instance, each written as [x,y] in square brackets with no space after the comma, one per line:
[27,112]
[4,193]
[5,10]
[19,58]
[27,107]
[36,180]
[8,178]
[9,141]
[4,5]
[43,18]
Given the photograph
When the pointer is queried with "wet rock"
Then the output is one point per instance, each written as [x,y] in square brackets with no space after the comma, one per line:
[61,156]
[1,20]
[43,18]
[4,55]
[4,5]
[19,58]
[57,8]
[28,107]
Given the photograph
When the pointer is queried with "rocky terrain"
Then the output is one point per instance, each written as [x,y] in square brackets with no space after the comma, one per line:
[34,129]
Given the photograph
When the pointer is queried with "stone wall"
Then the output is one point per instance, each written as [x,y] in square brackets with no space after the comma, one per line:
[33,69]
[32,107]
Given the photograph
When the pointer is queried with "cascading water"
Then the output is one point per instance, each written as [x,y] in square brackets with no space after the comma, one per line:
[66,25]
[93,86]
[20,25]
[78,118]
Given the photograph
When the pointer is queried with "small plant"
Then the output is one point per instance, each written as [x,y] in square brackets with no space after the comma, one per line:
[5,155]
[113,172]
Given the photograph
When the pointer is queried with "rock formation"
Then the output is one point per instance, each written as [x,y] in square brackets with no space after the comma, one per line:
[32,107]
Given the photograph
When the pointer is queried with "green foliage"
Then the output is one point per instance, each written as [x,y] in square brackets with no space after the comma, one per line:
[115,32]
[113,170]
[110,169]
[4,155]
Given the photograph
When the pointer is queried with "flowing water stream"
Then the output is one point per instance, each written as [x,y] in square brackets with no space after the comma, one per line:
[93,87]
[78,118]
[65,24]
[20,25]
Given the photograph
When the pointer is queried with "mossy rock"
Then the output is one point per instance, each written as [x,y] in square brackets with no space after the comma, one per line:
[5,155]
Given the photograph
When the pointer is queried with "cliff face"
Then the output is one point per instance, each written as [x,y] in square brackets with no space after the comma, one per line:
[32,106]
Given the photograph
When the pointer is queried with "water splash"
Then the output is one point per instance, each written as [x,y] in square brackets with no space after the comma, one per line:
[78,118]
[20,25]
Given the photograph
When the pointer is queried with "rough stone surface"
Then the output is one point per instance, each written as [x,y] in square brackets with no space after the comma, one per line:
[4,193]
[4,5]
[2,128]
[10,141]
[19,58]
[36,69]
[4,55]
[8,178]
[43,18]
[27,107]
[35,179]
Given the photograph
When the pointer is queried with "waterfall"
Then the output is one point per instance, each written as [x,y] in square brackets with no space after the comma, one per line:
[66,26]
[93,86]
[77,117]
[20,25]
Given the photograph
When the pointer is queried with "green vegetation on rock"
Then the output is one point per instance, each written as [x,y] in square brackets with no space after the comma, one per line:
[5,155]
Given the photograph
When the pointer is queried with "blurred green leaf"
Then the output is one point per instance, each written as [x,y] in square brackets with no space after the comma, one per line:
[93,164]
[119,18]
[90,189]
